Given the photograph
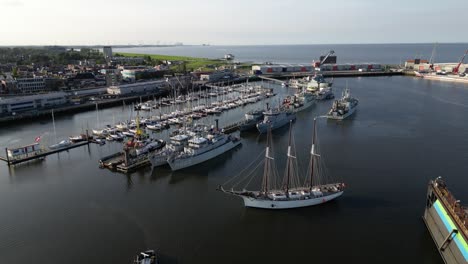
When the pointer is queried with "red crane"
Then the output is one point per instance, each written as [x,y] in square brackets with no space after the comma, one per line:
[455,70]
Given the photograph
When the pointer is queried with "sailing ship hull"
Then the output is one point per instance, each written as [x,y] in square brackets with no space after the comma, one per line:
[182,163]
[341,117]
[263,127]
[272,204]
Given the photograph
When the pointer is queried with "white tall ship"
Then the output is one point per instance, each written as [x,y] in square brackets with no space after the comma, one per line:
[201,149]
[343,107]
[314,189]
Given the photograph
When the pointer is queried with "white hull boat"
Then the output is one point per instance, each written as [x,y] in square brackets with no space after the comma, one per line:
[288,204]
[184,162]
[293,193]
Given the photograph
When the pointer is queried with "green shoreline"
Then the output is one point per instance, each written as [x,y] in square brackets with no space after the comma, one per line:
[191,63]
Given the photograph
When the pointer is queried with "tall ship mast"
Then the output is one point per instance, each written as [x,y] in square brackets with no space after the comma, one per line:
[294,191]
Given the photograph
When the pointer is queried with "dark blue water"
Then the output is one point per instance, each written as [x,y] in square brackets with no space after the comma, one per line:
[347,53]
[406,131]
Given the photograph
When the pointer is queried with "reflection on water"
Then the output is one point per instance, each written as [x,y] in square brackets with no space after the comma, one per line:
[66,209]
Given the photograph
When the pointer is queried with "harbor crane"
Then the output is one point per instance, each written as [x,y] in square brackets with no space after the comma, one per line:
[432,59]
[318,63]
[456,69]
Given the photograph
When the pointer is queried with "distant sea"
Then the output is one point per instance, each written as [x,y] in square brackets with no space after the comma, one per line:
[346,53]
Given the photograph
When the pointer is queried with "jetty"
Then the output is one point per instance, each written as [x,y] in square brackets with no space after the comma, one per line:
[39,153]
[119,162]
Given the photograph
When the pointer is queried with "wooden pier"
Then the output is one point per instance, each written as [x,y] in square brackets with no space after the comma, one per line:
[41,155]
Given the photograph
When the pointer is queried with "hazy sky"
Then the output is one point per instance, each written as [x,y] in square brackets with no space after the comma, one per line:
[219,22]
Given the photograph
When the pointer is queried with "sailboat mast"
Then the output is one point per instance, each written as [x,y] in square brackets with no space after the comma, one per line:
[312,153]
[97,115]
[288,165]
[53,123]
[266,169]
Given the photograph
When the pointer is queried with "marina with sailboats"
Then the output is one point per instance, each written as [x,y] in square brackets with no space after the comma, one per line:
[184,160]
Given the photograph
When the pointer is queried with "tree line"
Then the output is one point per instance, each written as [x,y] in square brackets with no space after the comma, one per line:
[48,56]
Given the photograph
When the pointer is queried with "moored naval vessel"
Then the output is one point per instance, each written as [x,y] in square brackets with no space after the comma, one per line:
[447,222]
[275,118]
[203,148]
[343,107]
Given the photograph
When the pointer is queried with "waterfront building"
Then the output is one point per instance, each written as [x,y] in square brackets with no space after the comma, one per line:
[298,68]
[136,88]
[425,66]
[107,50]
[31,85]
[272,69]
[13,105]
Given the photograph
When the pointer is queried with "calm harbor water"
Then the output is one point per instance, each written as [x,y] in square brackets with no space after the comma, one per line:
[406,131]
[347,53]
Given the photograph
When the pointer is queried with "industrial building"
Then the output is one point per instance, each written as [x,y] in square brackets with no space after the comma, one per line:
[141,87]
[291,68]
[16,104]
[277,69]
[425,66]
[352,67]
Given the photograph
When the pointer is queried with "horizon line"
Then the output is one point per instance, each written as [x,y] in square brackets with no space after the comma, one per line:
[208,44]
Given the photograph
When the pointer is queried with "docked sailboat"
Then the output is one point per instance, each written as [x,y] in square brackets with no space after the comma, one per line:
[315,189]
[63,143]
[203,148]
[343,107]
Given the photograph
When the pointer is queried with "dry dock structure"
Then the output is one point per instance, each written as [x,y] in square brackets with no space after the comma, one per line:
[447,222]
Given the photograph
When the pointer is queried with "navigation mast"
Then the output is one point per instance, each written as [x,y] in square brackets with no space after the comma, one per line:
[312,153]
[288,165]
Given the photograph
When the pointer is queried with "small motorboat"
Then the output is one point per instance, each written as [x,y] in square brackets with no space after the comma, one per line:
[61,144]
[146,257]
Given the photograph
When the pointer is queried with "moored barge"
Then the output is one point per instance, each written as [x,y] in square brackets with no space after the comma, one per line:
[447,222]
